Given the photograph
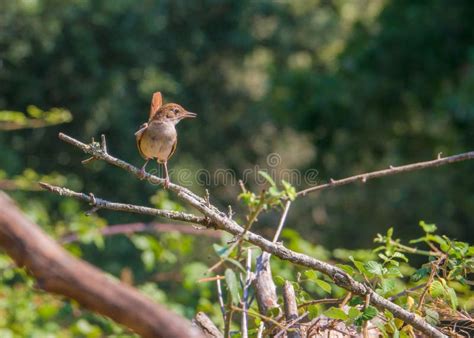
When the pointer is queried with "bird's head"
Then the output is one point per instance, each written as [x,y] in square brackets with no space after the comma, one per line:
[172,112]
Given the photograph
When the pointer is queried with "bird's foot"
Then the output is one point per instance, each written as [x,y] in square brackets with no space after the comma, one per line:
[142,173]
[166,183]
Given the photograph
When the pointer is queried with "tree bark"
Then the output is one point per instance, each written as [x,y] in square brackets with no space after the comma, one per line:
[58,272]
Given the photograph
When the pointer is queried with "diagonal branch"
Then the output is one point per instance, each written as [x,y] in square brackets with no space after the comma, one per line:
[221,221]
[57,271]
[391,171]
[99,203]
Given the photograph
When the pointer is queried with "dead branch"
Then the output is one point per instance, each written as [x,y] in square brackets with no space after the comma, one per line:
[58,272]
[206,325]
[220,220]
[291,309]
[132,228]
[391,171]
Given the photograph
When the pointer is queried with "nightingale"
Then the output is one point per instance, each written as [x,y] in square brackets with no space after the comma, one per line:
[157,138]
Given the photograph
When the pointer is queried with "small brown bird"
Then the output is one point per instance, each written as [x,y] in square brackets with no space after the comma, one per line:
[157,138]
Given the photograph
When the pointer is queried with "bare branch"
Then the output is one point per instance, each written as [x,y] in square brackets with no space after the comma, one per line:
[57,271]
[103,204]
[132,228]
[282,221]
[391,171]
[245,296]
[291,310]
[206,325]
[220,220]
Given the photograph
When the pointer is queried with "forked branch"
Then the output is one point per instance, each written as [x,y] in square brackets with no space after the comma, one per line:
[220,220]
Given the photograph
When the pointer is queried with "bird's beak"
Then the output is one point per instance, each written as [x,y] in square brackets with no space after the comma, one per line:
[189,115]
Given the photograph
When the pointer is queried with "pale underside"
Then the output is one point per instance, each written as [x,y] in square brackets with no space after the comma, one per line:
[157,141]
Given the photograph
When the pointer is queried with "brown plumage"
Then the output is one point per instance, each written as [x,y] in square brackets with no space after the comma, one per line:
[157,139]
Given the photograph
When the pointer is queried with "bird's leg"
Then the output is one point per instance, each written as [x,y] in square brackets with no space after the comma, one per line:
[167,177]
[142,172]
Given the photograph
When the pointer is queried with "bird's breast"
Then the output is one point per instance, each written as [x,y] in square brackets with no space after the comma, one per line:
[158,141]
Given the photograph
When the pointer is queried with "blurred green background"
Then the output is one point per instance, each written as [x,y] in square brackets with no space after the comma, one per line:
[343,87]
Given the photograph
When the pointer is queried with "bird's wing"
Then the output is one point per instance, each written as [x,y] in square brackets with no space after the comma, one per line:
[173,149]
[156,103]
[138,137]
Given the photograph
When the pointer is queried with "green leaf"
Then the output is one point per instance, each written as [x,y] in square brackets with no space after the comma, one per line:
[374,268]
[324,285]
[354,313]
[336,313]
[148,259]
[453,298]
[236,263]
[386,286]
[431,316]
[428,228]
[346,268]
[274,192]
[290,191]
[420,274]
[359,265]
[369,312]
[393,272]
[400,255]
[311,274]
[232,286]
[389,233]
[436,289]
[356,300]
[267,177]
[220,250]
[313,311]
[279,280]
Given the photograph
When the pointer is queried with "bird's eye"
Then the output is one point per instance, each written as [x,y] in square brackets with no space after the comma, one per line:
[176,110]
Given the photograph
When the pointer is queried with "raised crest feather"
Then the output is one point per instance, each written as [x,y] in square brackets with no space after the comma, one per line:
[156,103]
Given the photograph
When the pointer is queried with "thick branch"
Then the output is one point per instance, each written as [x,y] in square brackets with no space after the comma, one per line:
[209,329]
[58,272]
[291,309]
[221,221]
[391,171]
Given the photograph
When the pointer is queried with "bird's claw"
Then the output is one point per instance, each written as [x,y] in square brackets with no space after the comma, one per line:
[166,183]
[141,174]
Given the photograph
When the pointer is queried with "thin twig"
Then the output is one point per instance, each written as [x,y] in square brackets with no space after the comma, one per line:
[406,292]
[416,251]
[434,269]
[248,281]
[282,221]
[220,297]
[240,238]
[321,301]
[258,315]
[391,171]
[290,324]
